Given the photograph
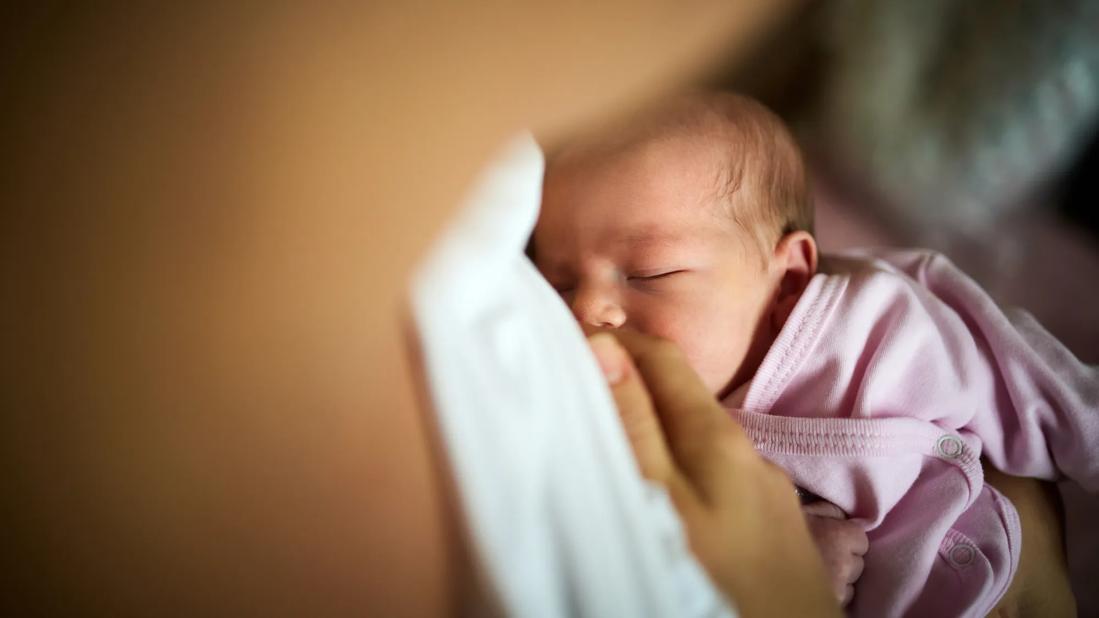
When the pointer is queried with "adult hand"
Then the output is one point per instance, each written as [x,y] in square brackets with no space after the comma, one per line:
[740,512]
[1041,585]
[842,544]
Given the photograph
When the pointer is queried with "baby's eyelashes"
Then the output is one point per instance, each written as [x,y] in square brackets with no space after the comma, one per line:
[654,275]
[654,280]
[641,278]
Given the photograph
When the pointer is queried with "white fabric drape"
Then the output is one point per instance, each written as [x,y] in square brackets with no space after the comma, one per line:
[562,524]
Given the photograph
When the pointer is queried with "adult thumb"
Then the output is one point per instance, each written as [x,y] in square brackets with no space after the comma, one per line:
[635,408]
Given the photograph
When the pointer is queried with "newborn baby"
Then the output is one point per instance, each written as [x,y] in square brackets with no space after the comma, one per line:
[877,381]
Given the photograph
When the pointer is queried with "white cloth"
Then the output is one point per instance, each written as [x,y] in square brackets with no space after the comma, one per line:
[562,524]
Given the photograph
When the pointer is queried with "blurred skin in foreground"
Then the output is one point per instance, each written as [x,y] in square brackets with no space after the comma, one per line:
[742,518]
[209,215]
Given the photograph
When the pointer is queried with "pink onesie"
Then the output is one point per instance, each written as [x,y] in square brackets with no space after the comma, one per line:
[893,376]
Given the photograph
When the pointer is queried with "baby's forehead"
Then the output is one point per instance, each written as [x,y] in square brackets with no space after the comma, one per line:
[734,137]
[684,168]
[668,154]
[720,166]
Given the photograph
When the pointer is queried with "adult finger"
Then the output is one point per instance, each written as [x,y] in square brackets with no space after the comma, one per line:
[703,442]
[635,409]
[740,512]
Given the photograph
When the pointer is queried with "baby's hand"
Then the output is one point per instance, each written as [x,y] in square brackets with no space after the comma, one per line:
[841,543]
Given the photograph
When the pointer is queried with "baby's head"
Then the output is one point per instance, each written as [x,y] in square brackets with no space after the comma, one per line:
[694,223]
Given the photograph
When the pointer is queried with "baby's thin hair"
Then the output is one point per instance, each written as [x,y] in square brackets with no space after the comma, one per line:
[762,181]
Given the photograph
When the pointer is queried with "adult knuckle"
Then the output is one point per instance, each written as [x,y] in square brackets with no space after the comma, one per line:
[730,442]
[774,473]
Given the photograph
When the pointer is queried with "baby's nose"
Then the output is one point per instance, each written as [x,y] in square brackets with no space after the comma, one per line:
[598,309]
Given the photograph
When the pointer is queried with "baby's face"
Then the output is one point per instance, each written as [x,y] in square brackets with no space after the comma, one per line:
[638,239]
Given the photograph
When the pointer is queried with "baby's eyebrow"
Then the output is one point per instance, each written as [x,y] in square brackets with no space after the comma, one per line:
[648,237]
[551,267]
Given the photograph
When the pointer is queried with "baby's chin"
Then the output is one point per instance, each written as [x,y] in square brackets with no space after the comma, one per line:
[722,383]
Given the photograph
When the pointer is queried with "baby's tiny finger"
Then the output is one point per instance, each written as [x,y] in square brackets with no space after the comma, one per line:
[857,565]
[823,508]
[861,543]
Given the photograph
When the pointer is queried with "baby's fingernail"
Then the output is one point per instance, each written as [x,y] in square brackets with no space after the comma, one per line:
[609,355]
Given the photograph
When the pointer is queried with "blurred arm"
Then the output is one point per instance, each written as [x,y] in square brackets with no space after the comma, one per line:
[1041,585]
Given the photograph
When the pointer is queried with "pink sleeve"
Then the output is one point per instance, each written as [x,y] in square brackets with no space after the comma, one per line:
[1042,417]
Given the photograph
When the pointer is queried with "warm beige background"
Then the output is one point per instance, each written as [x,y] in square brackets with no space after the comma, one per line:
[208,216]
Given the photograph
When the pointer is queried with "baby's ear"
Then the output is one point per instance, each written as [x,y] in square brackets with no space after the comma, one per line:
[797,252]
[795,263]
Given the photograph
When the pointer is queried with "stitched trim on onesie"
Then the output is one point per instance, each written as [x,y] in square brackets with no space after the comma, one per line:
[848,437]
[793,345]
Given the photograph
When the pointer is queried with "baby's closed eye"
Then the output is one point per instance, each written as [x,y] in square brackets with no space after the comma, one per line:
[653,279]
[655,274]
[641,278]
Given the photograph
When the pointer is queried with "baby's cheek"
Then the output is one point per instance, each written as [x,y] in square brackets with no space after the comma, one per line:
[681,330]
[653,321]
[706,336]
[714,349]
